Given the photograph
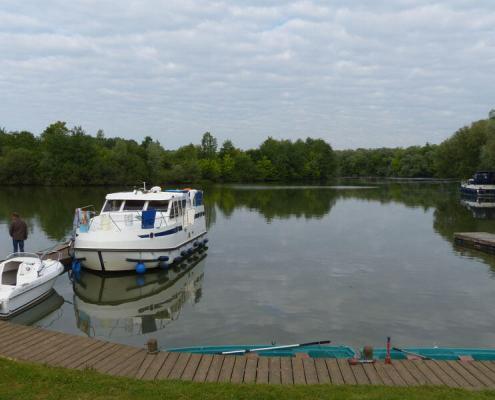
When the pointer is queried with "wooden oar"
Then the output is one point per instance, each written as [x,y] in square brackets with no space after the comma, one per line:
[288,346]
[411,353]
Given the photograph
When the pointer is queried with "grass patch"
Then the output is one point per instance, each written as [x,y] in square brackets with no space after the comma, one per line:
[20,380]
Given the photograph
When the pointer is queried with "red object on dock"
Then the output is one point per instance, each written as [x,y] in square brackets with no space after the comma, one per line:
[388,359]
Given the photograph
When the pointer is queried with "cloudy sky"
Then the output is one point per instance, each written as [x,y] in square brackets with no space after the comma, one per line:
[355,73]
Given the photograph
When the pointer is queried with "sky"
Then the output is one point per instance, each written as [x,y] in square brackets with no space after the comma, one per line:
[355,73]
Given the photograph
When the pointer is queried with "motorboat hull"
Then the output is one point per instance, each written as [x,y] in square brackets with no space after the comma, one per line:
[25,301]
[26,280]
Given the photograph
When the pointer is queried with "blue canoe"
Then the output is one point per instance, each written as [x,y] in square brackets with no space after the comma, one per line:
[319,351]
[439,353]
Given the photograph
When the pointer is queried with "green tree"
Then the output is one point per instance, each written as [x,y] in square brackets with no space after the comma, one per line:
[208,146]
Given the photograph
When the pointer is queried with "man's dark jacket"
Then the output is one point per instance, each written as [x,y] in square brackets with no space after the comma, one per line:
[18,229]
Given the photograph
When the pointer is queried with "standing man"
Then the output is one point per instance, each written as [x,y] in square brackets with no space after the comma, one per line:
[18,231]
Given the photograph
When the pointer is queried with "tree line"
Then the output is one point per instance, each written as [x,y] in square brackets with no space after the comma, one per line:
[69,156]
[468,150]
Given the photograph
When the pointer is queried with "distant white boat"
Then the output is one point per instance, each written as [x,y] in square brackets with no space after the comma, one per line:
[26,279]
[141,229]
[482,184]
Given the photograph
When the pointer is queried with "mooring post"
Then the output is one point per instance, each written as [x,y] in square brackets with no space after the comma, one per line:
[388,359]
[152,346]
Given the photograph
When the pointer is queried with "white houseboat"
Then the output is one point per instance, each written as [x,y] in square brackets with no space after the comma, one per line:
[140,229]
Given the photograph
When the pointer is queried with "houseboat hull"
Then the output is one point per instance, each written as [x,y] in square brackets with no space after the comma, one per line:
[161,254]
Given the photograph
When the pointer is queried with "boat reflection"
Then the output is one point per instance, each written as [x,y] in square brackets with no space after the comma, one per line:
[481,208]
[39,311]
[128,305]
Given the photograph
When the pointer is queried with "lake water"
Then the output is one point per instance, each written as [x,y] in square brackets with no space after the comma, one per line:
[286,264]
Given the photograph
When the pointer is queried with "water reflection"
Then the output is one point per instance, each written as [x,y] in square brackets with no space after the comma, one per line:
[129,305]
[481,208]
[41,310]
[291,264]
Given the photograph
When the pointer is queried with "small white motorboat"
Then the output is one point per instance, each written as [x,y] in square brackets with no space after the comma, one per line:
[25,280]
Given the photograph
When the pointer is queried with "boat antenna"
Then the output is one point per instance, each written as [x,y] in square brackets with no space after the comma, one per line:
[144,186]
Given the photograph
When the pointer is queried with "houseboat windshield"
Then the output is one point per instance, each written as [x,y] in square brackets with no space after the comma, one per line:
[112,205]
[134,205]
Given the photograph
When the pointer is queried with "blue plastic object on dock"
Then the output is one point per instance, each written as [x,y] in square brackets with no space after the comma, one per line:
[438,353]
[321,351]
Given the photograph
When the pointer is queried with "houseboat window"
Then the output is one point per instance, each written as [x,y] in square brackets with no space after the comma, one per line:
[112,205]
[158,205]
[198,199]
[134,205]
[174,211]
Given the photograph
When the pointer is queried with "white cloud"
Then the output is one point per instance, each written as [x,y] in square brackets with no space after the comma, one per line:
[353,72]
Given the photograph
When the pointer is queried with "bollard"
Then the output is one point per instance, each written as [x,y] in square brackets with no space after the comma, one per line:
[152,346]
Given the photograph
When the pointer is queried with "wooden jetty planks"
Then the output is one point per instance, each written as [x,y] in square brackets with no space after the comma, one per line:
[89,362]
[203,367]
[226,370]
[471,374]
[179,366]
[251,368]
[382,373]
[238,371]
[73,352]
[132,365]
[359,374]
[262,372]
[411,367]
[215,367]
[155,366]
[404,373]
[322,371]
[454,376]
[167,366]
[310,371]
[427,372]
[17,347]
[274,373]
[116,360]
[372,375]
[440,373]
[483,370]
[479,240]
[286,377]
[54,348]
[334,371]
[298,371]
[346,371]
[191,367]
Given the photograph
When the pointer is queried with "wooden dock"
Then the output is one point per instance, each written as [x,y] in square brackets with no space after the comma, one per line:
[63,350]
[483,241]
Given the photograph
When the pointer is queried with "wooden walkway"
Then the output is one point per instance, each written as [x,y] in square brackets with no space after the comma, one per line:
[479,240]
[59,349]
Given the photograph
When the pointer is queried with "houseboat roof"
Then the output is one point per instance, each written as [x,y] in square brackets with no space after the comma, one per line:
[140,195]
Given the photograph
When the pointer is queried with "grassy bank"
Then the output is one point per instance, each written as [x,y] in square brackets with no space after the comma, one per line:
[29,381]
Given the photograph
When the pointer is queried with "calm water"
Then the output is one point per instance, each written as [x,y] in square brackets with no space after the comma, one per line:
[286,264]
